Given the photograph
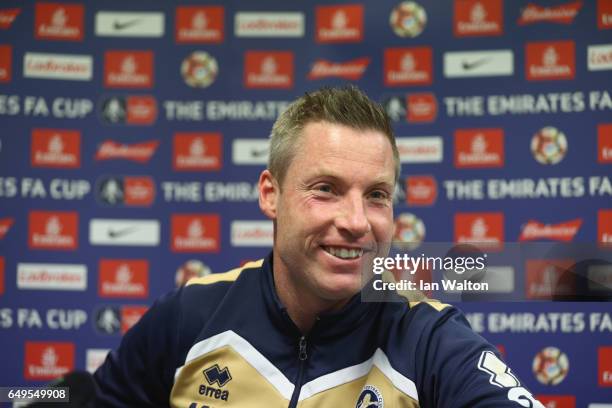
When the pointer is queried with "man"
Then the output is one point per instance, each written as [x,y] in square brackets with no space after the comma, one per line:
[291,330]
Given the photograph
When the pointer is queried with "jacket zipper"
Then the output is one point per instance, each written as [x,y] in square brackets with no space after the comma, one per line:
[302,356]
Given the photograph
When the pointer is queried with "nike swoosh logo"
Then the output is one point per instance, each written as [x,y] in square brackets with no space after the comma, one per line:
[259,153]
[121,25]
[112,233]
[468,66]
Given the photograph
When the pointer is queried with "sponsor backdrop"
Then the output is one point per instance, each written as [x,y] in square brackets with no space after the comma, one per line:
[133,134]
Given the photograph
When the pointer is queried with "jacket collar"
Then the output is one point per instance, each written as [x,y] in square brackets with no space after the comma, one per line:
[327,325]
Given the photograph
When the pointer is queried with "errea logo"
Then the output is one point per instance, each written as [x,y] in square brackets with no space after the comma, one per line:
[215,376]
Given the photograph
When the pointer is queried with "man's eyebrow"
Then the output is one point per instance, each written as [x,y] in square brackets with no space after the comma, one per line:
[328,175]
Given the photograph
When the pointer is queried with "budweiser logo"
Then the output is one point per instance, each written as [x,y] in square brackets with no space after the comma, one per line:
[562,14]
[565,231]
[7,16]
[138,152]
[350,70]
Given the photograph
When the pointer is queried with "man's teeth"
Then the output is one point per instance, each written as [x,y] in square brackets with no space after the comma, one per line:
[345,253]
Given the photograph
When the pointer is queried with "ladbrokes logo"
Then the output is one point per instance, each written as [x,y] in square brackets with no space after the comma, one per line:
[562,14]
[53,230]
[7,17]
[47,361]
[268,69]
[599,57]
[51,276]
[421,190]
[428,149]
[123,278]
[549,278]
[56,148]
[5,226]
[550,60]
[6,63]
[350,70]
[196,24]
[483,229]
[478,18]
[59,21]
[604,229]
[269,24]
[336,24]
[215,377]
[604,141]
[422,107]
[604,14]
[535,230]
[128,69]
[58,66]
[605,366]
[195,233]
[408,66]
[197,151]
[479,148]
[138,152]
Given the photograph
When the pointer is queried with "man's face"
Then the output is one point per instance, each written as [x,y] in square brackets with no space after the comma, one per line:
[333,210]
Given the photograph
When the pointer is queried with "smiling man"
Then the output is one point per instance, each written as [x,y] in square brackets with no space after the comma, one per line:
[291,329]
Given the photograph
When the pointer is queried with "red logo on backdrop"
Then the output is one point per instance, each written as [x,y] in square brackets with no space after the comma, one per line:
[421,190]
[197,151]
[350,70]
[196,233]
[502,350]
[56,148]
[7,17]
[47,361]
[422,107]
[408,66]
[604,142]
[268,69]
[141,110]
[138,152]
[549,278]
[564,231]
[477,18]
[484,229]
[475,148]
[6,63]
[1,275]
[604,14]
[59,21]
[604,378]
[195,24]
[139,191]
[550,60]
[604,227]
[557,401]
[130,315]
[5,226]
[562,14]
[337,24]
[53,230]
[128,69]
[123,278]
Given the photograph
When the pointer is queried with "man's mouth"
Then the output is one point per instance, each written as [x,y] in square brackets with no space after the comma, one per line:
[344,253]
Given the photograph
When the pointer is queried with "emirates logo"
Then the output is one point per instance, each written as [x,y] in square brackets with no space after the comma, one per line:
[53,227]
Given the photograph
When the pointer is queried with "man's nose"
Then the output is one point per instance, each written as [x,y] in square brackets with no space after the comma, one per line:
[353,216]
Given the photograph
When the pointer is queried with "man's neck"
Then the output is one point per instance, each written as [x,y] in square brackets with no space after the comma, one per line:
[302,307]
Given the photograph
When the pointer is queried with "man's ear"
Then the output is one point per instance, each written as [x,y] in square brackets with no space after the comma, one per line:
[268,194]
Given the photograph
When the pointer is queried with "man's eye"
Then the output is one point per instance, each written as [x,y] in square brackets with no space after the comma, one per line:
[379,195]
[324,188]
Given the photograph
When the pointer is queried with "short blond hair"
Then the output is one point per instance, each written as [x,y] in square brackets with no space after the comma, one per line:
[347,106]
